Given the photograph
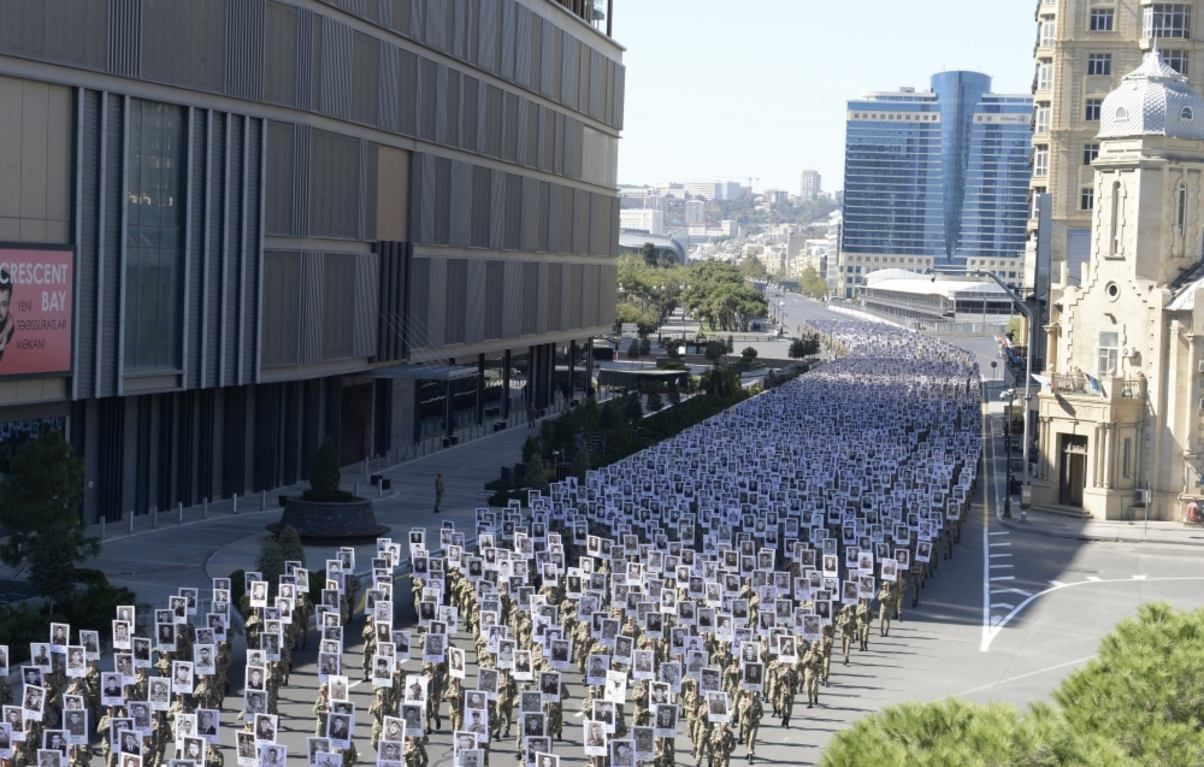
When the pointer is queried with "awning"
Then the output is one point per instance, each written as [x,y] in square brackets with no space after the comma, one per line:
[426,372]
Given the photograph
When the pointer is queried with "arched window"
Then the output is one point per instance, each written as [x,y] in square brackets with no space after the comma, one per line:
[1122,113]
[1181,206]
[1186,114]
[1114,246]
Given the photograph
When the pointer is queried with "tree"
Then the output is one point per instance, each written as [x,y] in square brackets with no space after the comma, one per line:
[290,544]
[39,506]
[714,351]
[753,268]
[634,349]
[536,476]
[634,409]
[655,402]
[581,461]
[749,353]
[953,731]
[717,295]
[324,476]
[811,284]
[271,562]
[806,346]
[1144,688]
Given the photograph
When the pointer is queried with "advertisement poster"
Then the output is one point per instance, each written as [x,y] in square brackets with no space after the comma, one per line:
[35,311]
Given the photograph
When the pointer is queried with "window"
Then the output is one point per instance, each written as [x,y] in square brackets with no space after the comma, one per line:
[1044,74]
[1045,32]
[1099,63]
[1114,220]
[154,236]
[1167,20]
[1176,60]
[1109,354]
[1126,457]
[1087,198]
[1181,207]
[1041,161]
[1090,152]
[1093,109]
[1122,113]
[1101,19]
[1041,118]
[1186,114]
[1036,199]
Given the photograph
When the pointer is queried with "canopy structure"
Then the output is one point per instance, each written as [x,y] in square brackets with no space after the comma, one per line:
[416,371]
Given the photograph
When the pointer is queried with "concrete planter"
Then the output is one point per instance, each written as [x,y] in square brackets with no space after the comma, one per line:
[331,521]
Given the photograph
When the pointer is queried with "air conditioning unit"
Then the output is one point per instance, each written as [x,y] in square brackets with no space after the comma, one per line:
[1142,497]
[1200,365]
[1128,352]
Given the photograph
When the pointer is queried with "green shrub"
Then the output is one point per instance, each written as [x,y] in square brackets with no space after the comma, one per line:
[654,401]
[536,476]
[634,410]
[749,353]
[271,562]
[530,448]
[291,547]
[324,476]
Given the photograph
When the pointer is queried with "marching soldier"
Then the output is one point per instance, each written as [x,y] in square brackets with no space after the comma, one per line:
[722,744]
[886,608]
[750,710]
[863,624]
[847,626]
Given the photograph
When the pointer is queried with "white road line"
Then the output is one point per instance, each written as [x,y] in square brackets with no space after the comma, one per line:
[1000,544]
[998,556]
[1021,592]
[1003,564]
[1000,532]
[1059,585]
[986,537]
[1139,577]
[1017,678]
[1003,577]
[1004,605]
[1093,578]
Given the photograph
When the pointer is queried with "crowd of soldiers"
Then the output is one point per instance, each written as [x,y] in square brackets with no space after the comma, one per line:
[693,587]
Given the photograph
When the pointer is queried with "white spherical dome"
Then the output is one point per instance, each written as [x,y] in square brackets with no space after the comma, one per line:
[1152,100]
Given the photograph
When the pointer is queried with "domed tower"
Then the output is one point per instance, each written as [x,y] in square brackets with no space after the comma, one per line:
[1120,416]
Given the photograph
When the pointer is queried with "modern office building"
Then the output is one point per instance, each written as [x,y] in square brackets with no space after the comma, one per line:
[1083,47]
[809,185]
[695,212]
[233,229]
[938,174]
[651,220]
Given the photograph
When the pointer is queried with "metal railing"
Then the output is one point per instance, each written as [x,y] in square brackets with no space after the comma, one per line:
[1114,388]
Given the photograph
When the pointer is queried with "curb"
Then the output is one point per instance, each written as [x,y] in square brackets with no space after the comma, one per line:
[1021,527]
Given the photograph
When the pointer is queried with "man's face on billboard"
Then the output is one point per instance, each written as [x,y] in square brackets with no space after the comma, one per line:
[6,298]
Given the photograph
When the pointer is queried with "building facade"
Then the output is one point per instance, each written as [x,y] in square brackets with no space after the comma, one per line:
[810,185]
[241,227]
[1083,47]
[939,174]
[1120,426]
[651,220]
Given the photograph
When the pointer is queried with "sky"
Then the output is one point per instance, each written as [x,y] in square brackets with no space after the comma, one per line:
[732,89]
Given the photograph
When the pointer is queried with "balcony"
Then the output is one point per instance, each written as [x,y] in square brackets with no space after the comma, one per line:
[596,13]
[1110,388]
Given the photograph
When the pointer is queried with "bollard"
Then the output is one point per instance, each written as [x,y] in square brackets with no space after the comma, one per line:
[263,500]
[235,508]
[380,489]
[102,528]
[131,520]
[355,488]
[204,508]
[154,517]
[180,512]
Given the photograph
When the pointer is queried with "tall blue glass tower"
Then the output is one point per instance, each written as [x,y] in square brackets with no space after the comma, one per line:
[940,173]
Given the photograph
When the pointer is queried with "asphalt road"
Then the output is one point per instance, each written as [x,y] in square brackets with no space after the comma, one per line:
[1005,619]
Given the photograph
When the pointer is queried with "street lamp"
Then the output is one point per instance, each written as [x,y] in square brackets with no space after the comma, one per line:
[1028,373]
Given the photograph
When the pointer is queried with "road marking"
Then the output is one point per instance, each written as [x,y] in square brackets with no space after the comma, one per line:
[1000,543]
[1093,578]
[1017,678]
[1003,564]
[1003,577]
[986,532]
[999,532]
[1004,605]
[1004,554]
[994,632]
[1139,577]
[1021,592]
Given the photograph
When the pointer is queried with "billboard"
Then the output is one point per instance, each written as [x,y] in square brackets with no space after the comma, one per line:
[35,311]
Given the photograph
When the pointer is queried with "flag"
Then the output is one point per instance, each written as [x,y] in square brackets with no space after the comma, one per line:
[1093,385]
[1042,381]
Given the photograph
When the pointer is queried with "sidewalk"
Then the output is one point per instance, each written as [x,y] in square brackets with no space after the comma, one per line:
[1116,531]
[154,561]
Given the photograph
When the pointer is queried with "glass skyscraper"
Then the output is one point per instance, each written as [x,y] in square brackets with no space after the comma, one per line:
[941,173]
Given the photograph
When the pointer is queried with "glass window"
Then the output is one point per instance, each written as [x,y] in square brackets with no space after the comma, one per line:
[1044,74]
[1176,60]
[1037,192]
[1092,111]
[1114,220]
[1041,161]
[154,236]
[1181,207]
[1109,354]
[1167,20]
[1186,113]
[1090,152]
[1087,198]
[1126,453]
[1102,19]
[1045,31]
[1041,118]
[1099,63]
